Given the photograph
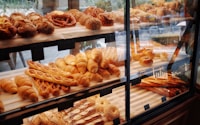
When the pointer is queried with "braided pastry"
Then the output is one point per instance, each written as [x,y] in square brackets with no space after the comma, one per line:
[51,78]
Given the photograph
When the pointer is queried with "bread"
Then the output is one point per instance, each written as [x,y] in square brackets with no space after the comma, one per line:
[61,19]
[81,62]
[93,23]
[23,80]
[7,30]
[51,78]
[42,87]
[8,85]
[92,66]
[63,66]
[106,19]
[93,11]
[114,70]
[27,92]
[82,79]
[104,73]
[25,28]
[95,77]
[51,68]
[70,59]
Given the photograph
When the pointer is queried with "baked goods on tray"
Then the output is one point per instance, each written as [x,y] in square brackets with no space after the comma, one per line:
[168,85]
[7,30]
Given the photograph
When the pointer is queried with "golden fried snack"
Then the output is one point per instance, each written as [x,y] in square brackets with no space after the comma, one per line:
[27,92]
[61,19]
[7,30]
[23,80]
[8,85]
[51,78]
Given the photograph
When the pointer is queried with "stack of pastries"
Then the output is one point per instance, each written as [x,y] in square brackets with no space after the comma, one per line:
[94,110]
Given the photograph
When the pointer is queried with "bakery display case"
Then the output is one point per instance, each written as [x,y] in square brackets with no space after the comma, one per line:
[128,61]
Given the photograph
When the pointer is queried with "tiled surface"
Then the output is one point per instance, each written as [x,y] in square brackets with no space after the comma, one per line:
[50,53]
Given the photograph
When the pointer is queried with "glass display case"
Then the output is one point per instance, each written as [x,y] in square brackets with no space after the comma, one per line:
[112,61]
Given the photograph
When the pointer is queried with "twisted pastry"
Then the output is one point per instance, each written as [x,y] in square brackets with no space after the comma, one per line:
[61,19]
[51,78]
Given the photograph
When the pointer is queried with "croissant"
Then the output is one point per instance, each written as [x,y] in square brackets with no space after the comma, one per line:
[23,80]
[104,73]
[67,68]
[70,59]
[8,85]
[114,70]
[94,77]
[96,55]
[82,79]
[81,62]
[27,92]
[92,66]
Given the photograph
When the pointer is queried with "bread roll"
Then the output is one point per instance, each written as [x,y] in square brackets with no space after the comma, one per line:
[27,92]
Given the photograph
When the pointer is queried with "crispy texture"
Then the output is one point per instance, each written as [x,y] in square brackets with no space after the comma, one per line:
[8,85]
[51,78]
[70,59]
[92,66]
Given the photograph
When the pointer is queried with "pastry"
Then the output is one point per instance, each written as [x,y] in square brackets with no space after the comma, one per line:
[27,92]
[114,70]
[93,23]
[104,73]
[83,18]
[42,87]
[95,77]
[25,28]
[81,62]
[23,80]
[51,78]
[61,19]
[93,11]
[67,68]
[8,85]
[92,66]
[106,19]
[51,68]
[70,59]
[7,30]
[145,61]
[82,79]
